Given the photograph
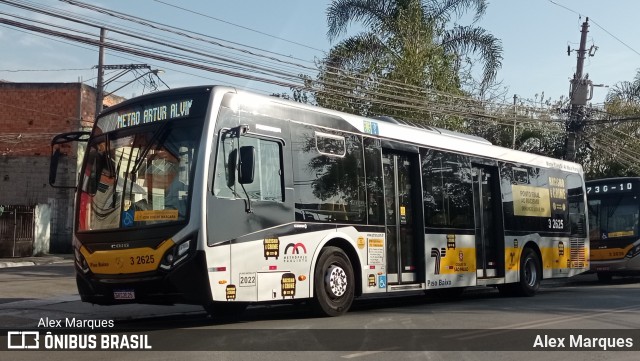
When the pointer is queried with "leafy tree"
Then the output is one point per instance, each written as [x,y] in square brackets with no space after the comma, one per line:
[612,139]
[406,55]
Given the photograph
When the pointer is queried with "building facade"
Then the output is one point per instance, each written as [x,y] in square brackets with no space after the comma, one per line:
[33,113]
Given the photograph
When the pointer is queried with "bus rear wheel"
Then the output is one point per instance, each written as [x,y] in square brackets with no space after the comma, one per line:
[333,282]
[530,273]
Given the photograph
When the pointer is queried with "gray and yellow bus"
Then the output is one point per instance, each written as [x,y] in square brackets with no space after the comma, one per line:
[614,208]
[215,196]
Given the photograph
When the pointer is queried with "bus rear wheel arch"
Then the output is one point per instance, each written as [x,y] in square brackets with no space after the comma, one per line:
[529,277]
[333,282]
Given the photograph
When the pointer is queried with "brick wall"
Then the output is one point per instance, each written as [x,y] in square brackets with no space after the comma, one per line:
[31,115]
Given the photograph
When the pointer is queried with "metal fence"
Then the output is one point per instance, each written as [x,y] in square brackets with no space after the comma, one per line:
[17,225]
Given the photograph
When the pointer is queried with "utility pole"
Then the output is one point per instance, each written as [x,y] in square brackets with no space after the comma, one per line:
[515,117]
[126,68]
[580,92]
[100,83]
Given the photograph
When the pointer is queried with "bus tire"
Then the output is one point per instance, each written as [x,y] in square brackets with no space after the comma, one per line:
[604,277]
[530,273]
[333,282]
[225,310]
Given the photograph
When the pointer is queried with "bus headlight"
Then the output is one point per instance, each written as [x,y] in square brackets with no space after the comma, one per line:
[81,261]
[634,251]
[175,255]
[183,247]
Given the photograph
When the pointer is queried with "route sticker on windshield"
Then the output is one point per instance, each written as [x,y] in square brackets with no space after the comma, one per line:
[159,215]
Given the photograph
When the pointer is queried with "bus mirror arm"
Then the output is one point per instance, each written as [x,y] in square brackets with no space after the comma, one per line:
[246,167]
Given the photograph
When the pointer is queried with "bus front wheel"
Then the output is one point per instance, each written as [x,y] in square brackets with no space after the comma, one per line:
[530,273]
[333,283]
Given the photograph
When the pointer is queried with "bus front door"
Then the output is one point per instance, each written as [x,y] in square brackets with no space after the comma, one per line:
[488,222]
[400,189]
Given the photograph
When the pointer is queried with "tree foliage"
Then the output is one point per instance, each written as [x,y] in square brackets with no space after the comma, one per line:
[406,52]
[612,139]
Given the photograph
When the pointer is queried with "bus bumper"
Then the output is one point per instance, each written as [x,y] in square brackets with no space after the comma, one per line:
[621,266]
[187,283]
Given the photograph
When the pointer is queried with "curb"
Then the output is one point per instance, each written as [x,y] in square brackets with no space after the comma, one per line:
[16,264]
[32,261]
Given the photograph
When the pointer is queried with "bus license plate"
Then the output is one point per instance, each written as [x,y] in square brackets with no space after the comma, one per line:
[127,294]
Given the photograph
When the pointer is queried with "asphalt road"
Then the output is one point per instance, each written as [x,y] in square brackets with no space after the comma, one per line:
[375,329]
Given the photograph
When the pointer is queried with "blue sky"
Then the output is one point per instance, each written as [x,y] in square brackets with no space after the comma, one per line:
[535,35]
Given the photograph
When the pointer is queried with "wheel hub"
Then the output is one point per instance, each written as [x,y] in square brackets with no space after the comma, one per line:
[336,280]
[530,275]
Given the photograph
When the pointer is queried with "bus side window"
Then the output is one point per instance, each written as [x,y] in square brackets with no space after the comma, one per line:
[328,169]
[267,183]
[373,176]
[447,194]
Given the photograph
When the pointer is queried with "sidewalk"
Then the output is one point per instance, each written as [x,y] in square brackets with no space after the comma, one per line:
[35,260]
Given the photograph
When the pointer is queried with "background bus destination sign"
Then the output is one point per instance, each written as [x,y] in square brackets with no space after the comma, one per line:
[612,186]
[144,114]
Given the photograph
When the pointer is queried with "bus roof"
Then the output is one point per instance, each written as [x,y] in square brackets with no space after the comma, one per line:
[385,128]
[394,129]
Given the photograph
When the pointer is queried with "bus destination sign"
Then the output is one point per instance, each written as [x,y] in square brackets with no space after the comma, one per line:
[622,186]
[146,113]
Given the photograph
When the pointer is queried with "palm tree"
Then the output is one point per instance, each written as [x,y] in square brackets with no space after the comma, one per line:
[408,41]
[625,94]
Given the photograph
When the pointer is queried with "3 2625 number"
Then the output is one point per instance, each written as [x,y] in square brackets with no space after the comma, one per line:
[145,259]
[556,223]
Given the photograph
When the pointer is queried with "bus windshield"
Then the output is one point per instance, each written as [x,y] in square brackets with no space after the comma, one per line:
[613,216]
[139,176]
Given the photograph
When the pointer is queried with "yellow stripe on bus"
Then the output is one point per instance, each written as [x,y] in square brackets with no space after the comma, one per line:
[123,261]
[609,253]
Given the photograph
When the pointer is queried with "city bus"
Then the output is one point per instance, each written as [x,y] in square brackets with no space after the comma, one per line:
[614,208]
[223,198]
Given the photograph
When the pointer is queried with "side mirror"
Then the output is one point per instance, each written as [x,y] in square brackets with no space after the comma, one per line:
[56,154]
[247,164]
[53,167]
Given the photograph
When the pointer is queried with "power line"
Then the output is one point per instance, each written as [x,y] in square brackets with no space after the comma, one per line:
[344,83]
[598,25]
[240,26]
[394,98]
[173,29]
[37,70]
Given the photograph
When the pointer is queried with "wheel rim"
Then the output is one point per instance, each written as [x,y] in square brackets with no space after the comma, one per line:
[336,281]
[530,272]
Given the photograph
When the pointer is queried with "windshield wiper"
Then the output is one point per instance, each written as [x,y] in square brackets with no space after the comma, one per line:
[143,153]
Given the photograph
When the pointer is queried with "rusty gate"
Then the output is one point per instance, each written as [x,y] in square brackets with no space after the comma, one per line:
[17,224]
